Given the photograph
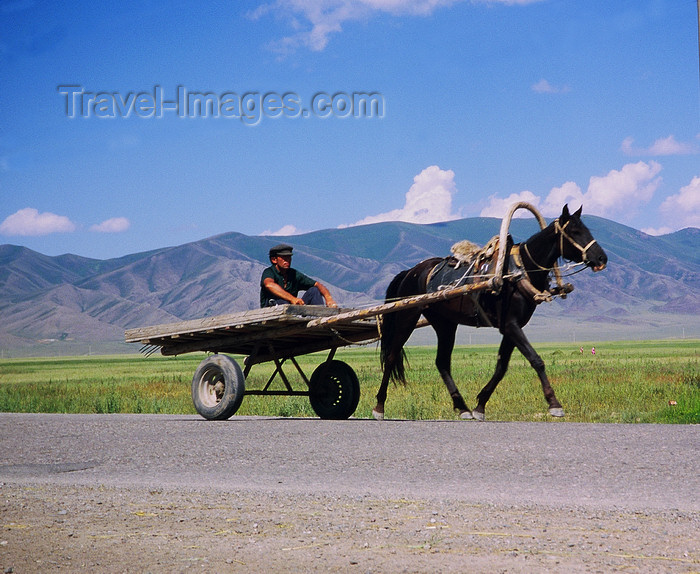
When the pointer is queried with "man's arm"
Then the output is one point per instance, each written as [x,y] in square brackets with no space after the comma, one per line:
[330,302]
[280,293]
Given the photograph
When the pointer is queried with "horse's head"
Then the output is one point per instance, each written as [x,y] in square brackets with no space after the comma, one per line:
[576,242]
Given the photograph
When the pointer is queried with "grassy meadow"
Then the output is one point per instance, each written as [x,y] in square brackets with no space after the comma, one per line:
[624,382]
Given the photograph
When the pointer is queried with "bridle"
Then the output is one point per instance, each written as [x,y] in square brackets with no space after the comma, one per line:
[561,231]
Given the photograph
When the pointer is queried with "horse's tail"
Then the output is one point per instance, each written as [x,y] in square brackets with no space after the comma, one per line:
[392,358]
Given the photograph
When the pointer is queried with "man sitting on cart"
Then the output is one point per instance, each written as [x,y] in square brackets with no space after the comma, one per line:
[280,283]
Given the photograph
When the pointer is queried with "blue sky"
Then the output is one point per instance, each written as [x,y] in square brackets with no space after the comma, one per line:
[136,125]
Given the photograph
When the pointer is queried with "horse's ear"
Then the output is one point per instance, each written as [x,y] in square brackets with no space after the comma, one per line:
[565,214]
[578,212]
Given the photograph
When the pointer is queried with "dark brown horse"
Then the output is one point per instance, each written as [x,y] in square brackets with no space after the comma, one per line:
[509,311]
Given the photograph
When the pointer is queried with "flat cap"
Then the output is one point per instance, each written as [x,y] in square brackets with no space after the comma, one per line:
[281,249]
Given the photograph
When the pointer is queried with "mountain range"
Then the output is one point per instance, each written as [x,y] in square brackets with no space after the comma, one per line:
[69,304]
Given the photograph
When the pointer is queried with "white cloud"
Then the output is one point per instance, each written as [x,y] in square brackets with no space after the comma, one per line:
[284,230]
[498,207]
[29,222]
[619,194]
[662,146]
[315,20]
[568,194]
[429,200]
[657,230]
[683,209]
[544,87]
[113,225]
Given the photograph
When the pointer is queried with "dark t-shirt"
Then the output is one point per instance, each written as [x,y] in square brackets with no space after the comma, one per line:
[296,281]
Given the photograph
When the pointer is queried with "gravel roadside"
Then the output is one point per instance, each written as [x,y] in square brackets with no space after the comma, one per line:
[47,528]
[156,493]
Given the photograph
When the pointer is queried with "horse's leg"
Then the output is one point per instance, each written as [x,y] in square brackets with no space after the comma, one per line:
[446,331]
[404,324]
[504,353]
[517,335]
[378,410]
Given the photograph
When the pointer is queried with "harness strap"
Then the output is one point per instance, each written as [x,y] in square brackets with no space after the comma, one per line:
[523,284]
[533,259]
[431,273]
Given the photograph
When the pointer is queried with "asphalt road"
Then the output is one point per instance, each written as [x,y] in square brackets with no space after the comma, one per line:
[596,466]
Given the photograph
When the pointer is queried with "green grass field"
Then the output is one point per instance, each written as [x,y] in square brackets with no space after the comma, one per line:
[630,382]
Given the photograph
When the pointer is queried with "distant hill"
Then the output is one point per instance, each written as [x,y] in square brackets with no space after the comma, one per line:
[73,304]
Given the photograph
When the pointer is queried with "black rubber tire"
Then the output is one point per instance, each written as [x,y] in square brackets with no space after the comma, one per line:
[334,390]
[218,387]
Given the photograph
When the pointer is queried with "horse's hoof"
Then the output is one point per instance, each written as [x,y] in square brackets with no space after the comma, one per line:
[558,412]
[377,415]
[477,416]
[466,415]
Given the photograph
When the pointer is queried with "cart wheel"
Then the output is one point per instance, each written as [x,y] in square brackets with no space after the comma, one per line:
[334,390]
[218,386]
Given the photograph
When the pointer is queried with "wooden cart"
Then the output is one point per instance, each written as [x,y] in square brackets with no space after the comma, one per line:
[278,334]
